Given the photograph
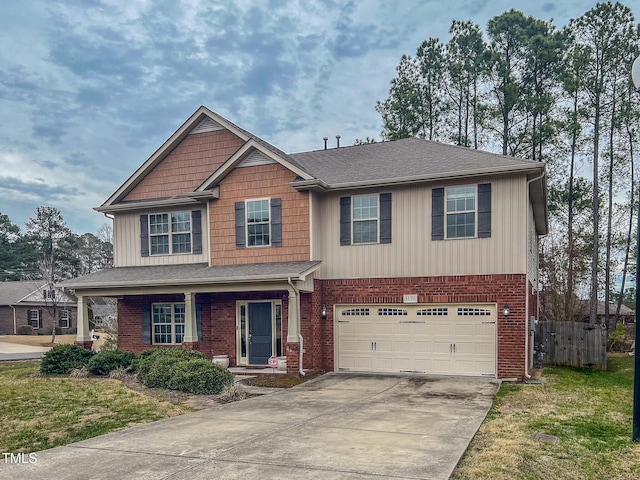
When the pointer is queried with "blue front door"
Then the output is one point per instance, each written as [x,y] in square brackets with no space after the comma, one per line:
[260,333]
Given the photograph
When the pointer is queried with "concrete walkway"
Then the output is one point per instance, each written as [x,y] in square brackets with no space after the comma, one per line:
[16,351]
[338,426]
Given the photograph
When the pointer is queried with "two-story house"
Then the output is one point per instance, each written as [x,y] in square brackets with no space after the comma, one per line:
[403,256]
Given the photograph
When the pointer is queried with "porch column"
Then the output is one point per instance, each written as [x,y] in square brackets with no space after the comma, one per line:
[190,326]
[83,335]
[292,329]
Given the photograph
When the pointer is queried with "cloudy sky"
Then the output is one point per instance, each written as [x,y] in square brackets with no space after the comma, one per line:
[90,88]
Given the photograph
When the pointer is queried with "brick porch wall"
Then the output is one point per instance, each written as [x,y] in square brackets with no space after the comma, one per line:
[499,289]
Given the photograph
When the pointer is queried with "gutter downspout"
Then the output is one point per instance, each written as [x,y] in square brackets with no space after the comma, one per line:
[300,338]
[15,324]
[528,333]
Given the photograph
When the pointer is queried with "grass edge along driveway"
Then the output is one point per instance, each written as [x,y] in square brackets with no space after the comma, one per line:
[589,411]
[44,412]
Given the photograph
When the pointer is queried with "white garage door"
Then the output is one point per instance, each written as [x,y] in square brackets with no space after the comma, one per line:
[438,339]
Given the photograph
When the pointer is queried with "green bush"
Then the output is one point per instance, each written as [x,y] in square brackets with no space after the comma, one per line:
[153,365]
[63,358]
[105,361]
[199,376]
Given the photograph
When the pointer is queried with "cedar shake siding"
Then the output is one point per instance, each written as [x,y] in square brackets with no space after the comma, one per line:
[259,182]
[187,166]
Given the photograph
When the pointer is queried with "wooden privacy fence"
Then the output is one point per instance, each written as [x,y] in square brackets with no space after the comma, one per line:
[572,344]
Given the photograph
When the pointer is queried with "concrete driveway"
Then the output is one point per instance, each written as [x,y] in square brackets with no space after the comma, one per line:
[339,426]
[15,351]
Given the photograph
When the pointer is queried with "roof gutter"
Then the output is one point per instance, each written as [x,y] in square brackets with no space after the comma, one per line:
[15,320]
[527,333]
[190,199]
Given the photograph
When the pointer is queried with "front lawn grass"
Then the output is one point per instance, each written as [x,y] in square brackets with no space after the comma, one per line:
[37,413]
[589,410]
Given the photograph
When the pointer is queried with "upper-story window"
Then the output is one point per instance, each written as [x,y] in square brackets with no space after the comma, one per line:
[365,219]
[258,223]
[170,233]
[461,212]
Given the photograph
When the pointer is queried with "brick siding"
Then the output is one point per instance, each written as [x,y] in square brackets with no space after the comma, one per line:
[47,320]
[219,315]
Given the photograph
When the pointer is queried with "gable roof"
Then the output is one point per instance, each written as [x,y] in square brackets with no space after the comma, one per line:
[404,161]
[175,139]
[13,293]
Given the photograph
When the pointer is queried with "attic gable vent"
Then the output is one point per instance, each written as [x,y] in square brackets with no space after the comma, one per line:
[207,125]
[256,158]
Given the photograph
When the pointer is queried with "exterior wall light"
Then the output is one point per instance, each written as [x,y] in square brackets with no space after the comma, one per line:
[506,310]
[324,311]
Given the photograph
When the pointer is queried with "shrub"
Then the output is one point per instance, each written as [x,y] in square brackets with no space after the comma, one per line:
[105,361]
[198,376]
[25,330]
[153,365]
[62,358]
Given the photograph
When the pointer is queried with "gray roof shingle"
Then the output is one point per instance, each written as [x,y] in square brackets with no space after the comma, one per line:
[185,274]
[403,160]
[12,292]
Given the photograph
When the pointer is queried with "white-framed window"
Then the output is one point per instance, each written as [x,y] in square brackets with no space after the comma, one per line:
[64,319]
[35,320]
[170,233]
[365,218]
[258,222]
[168,323]
[461,212]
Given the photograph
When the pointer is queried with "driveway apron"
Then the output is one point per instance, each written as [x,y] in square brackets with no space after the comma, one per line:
[338,426]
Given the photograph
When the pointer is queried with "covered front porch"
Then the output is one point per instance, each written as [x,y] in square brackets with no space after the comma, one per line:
[247,312]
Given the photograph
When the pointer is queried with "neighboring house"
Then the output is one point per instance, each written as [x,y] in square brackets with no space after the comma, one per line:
[583,306]
[386,257]
[26,307]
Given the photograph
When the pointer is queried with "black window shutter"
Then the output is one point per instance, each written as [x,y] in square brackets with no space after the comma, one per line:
[385,218]
[144,235]
[199,320]
[345,221]
[240,219]
[484,210]
[146,324]
[437,214]
[276,222]
[196,232]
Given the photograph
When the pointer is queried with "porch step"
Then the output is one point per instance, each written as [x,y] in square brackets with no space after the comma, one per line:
[256,371]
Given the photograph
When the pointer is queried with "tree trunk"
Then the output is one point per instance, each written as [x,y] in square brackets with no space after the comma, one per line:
[593,305]
[629,231]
